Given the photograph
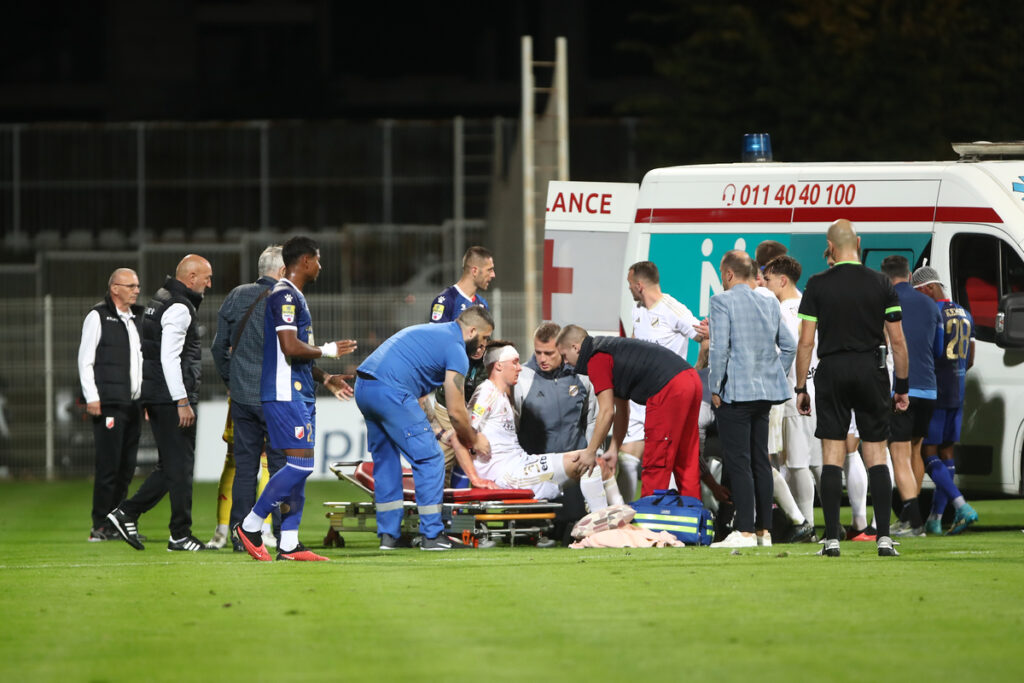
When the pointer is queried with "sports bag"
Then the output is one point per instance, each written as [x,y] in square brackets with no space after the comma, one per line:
[684,517]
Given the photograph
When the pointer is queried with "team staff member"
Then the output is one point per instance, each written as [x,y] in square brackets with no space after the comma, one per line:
[748,377]
[623,370]
[405,368]
[288,393]
[110,371]
[171,368]
[944,431]
[238,355]
[852,308]
[922,328]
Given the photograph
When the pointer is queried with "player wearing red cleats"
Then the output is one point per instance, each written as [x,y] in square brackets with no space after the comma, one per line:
[302,554]
[253,543]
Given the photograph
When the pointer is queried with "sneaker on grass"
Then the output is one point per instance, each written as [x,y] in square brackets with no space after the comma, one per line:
[965,516]
[933,527]
[301,553]
[189,544]
[252,541]
[126,527]
[829,547]
[440,542]
[885,547]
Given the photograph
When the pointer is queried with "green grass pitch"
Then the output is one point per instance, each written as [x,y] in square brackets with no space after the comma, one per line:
[948,609]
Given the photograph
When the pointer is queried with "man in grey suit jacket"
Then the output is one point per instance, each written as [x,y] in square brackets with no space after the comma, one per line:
[751,349]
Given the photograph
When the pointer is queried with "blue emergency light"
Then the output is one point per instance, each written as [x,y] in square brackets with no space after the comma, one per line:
[757,147]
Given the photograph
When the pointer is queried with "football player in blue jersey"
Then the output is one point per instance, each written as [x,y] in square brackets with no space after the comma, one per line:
[944,429]
[289,401]
[477,273]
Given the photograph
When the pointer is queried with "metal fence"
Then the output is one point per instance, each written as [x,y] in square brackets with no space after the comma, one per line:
[44,431]
[392,204]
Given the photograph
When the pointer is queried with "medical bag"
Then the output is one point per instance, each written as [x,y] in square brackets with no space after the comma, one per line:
[684,517]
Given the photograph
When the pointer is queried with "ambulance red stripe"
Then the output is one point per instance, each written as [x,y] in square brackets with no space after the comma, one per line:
[864,214]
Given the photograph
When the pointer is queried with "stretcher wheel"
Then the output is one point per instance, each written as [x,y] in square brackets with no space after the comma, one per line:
[333,538]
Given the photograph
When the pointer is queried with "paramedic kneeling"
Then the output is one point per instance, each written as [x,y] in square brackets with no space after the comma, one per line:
[623,370]
[406,367]
[852,308]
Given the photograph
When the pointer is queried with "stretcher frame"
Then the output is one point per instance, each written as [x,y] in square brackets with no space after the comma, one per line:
[472,521]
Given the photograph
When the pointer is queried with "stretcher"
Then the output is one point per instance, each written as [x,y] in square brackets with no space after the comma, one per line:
[473,516]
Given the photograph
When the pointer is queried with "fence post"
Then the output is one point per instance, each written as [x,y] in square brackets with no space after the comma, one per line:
[48,374]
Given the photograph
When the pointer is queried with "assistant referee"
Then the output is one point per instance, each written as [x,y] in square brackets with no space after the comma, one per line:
[852,308]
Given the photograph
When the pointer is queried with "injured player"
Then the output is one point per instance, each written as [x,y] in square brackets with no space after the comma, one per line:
[508,465]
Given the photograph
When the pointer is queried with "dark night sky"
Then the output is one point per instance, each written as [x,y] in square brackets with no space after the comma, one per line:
[162,59]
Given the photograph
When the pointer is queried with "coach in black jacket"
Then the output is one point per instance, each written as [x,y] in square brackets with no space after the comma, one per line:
[171,356]
[110,371]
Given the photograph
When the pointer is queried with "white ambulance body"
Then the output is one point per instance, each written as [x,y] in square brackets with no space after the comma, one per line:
[965,218]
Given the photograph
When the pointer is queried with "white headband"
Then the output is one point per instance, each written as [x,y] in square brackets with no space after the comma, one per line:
[500,354]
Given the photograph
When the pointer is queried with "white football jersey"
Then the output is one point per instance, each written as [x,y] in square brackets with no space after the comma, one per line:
[789,310]
[491,414]
[667,323]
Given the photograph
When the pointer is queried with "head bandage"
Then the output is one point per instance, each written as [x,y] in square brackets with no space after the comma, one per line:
[500,354]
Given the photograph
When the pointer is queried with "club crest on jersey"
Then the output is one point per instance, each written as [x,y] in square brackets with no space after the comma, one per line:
[288,313]
[654,322]
[436,312]
[300,432]
[298,386]
[573,389]
[110,423]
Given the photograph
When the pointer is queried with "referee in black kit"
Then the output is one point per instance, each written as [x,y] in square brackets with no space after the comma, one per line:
[852,308]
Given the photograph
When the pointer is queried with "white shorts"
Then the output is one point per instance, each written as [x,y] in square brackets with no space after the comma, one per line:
[800,446]
[775,429]
[543,474]
[637,415]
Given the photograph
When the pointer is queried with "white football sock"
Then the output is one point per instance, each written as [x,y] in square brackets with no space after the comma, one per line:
[628,476]
[784,498]
[289,540]
[252,523]
[592,489]
[611,491]
[801,484]
[857,489]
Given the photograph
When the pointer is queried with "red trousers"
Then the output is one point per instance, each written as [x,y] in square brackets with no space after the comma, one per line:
[671,439]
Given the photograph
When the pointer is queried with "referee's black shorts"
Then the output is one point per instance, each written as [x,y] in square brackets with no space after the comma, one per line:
[852,381]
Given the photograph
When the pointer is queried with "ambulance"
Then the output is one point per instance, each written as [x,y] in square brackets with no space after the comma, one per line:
[965,218]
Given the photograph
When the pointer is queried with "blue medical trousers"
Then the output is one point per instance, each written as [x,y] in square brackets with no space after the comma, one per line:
[396,426]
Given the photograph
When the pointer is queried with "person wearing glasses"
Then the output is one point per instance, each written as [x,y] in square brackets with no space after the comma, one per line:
[171,373]
[110,371]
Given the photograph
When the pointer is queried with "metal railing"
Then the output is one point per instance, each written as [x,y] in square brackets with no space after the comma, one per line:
[44,431]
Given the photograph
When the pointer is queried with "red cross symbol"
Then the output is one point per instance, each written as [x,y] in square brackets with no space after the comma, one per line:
[556,280]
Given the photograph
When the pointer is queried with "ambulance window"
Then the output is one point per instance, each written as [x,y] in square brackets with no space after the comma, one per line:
[872,258]
[984,268]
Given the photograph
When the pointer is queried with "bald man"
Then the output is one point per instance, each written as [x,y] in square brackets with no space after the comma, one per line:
[171,356]
[110,371]
[852,308]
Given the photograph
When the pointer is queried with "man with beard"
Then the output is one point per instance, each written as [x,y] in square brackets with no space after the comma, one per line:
[391,382]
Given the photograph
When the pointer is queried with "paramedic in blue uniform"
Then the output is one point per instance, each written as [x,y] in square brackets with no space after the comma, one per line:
[390,384]
[289,402]
[852,308]
[477,273]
